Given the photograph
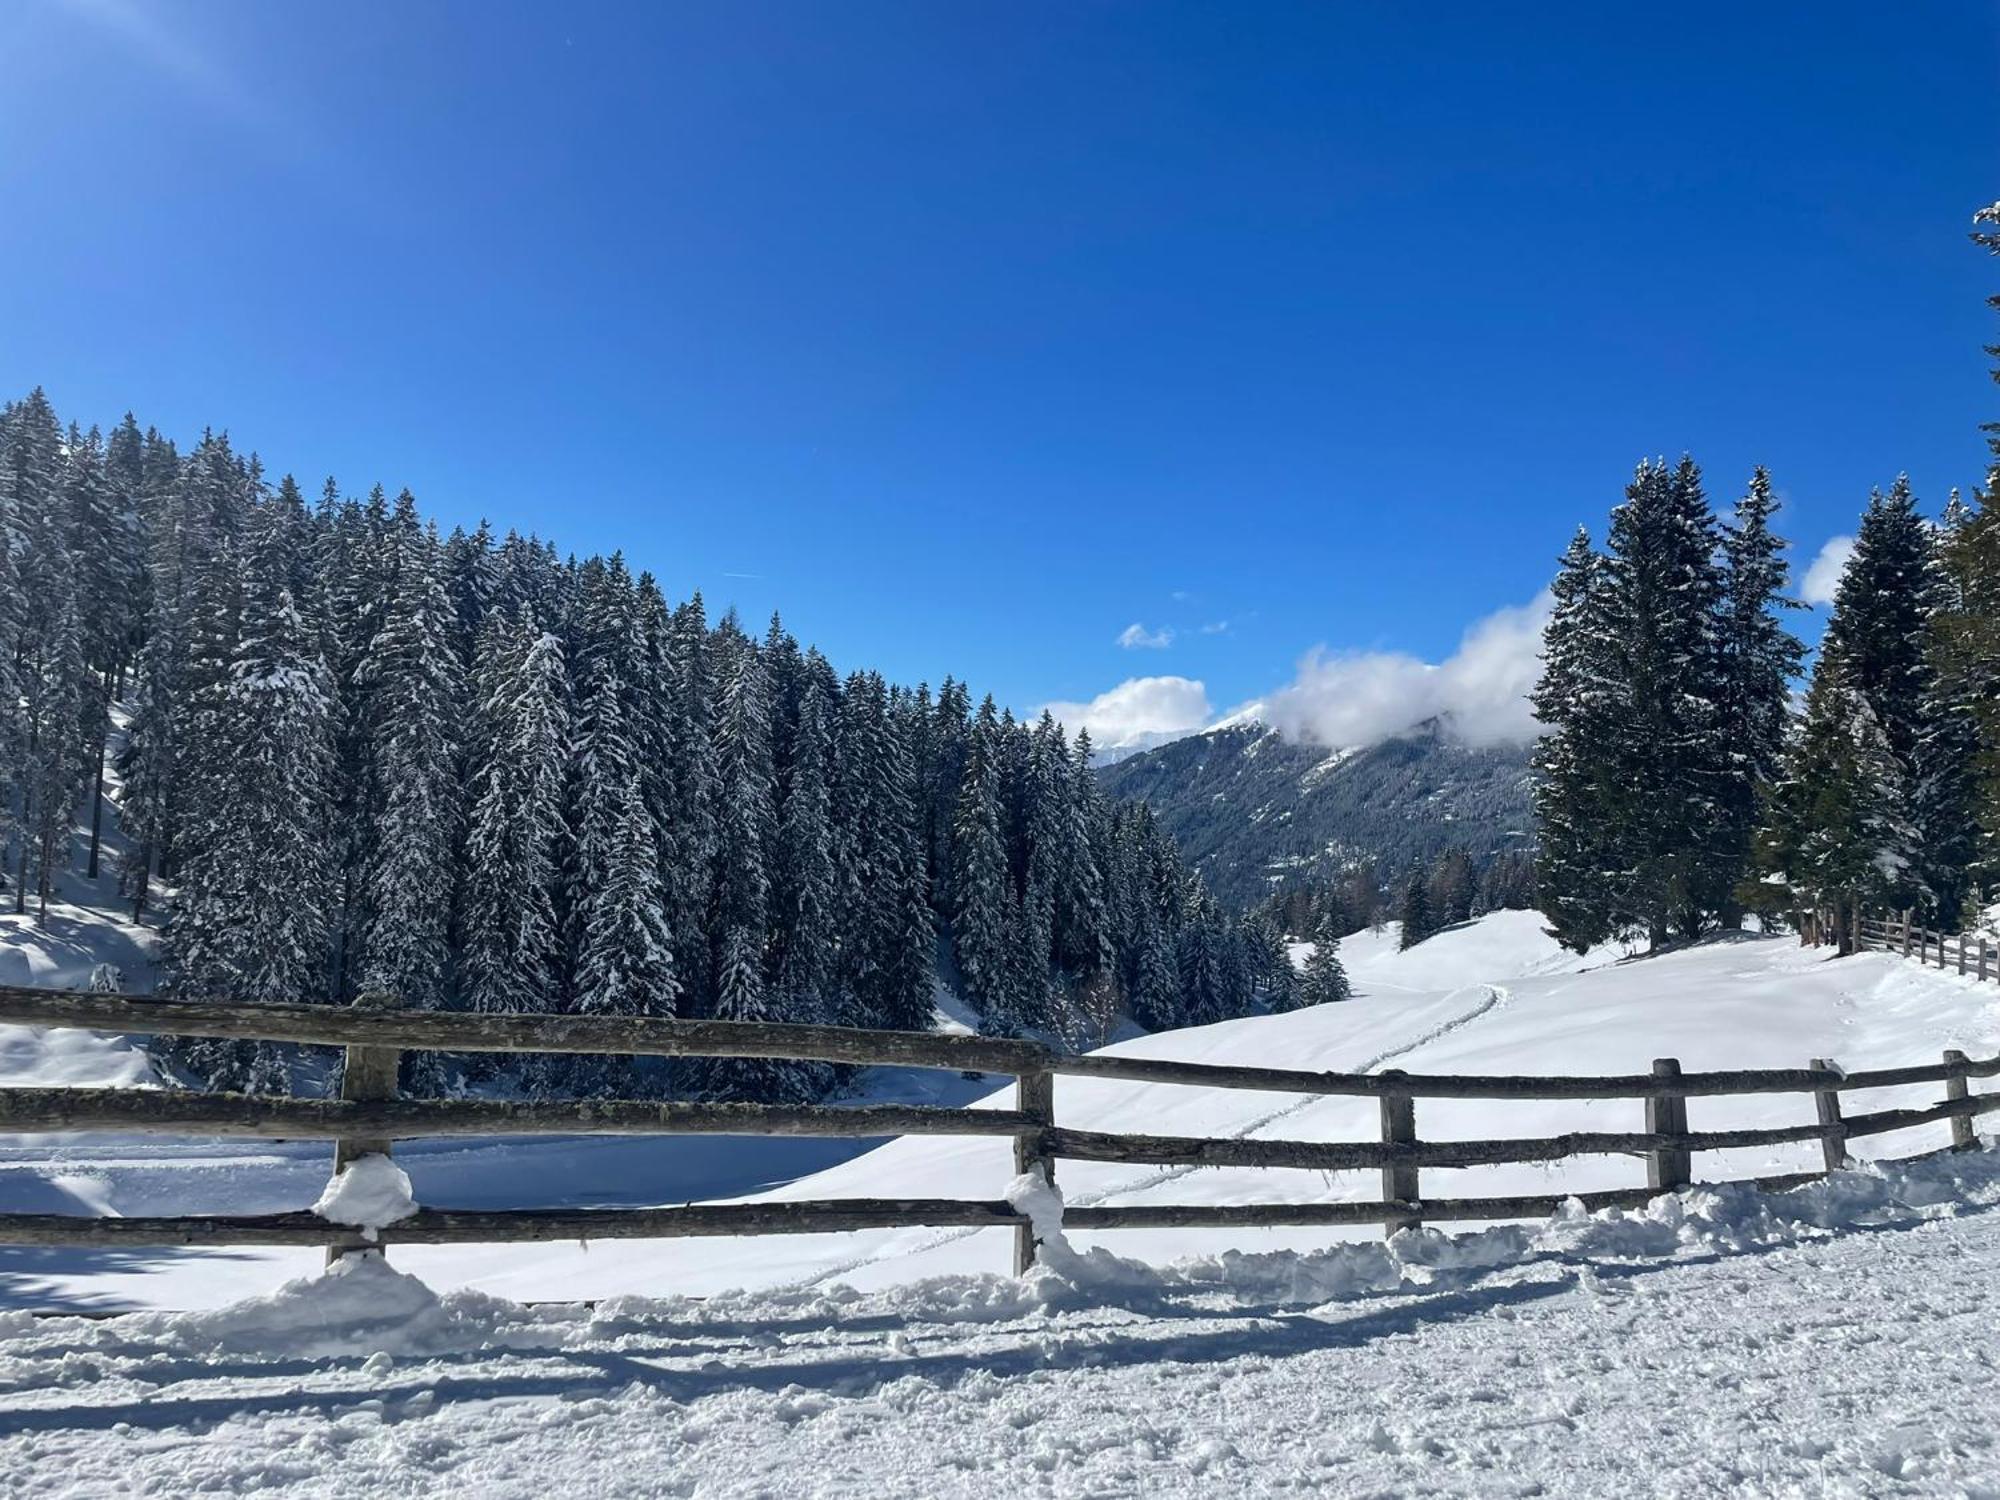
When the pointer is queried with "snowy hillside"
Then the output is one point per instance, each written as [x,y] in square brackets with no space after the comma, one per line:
[1493,996]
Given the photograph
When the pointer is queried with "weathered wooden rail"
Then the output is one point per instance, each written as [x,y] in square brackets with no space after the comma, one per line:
[1972,953]
[369,1116]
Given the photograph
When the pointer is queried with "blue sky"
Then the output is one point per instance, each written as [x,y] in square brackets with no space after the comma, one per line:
[970,335]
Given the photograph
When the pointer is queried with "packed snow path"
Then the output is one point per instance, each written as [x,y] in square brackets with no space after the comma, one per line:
[1838,1341]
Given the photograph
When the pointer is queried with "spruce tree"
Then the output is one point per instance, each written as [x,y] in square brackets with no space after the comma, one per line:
[1760,659]
[1668,737]
[511,948]
[1325,980]
[1415,913]
[983,919]
[255,907]
[413,670]
[1576,864]
[1840,834]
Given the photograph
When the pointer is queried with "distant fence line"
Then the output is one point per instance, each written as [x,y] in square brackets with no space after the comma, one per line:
[1971,953]
[369,1116]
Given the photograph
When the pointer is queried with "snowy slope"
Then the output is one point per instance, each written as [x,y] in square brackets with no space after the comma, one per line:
[1495,996]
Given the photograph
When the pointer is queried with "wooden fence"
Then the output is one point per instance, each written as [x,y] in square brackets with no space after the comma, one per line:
[368,1116]
[1972,953]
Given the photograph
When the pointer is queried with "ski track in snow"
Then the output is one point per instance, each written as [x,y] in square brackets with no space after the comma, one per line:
[1496,995]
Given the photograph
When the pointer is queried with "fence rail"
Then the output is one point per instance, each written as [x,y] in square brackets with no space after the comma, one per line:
[369,1117]
[1971,952]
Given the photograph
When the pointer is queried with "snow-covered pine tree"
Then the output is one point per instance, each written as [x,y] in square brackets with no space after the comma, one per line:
[252,917]
[51,673]
[1325,980]
[1840,833]
[1206,981]
[1668,737]
[1452,887]
[627,963]
[412,669]
[1045,823]
[804,918]
[746,832]
[1879,634]
[1576,869]
[604,652]
[690,784]
[1271,962]
[1760,659]
[13,728]
[104,552]
[983,917]
[910,969]
[518,765]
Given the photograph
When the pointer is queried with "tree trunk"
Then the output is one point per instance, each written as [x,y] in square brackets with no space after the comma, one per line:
[97,791]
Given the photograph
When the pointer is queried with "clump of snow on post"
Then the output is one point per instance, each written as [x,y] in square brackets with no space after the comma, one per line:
[369,1193]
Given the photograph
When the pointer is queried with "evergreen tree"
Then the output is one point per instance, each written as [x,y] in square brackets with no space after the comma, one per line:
[983,938]
[511,948]
[1576,866]
[1415,913]
[627,962]
[1879,638]
[413,670]
[747,830]
[1669,739]
[1839,833]
[1760,659]
[254,912]
[804,917]
[1325,980]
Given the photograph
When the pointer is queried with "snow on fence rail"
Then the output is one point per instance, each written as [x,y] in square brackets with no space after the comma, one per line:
[368,1117]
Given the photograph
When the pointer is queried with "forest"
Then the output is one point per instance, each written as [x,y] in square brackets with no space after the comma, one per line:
[343,754]
[1679,787]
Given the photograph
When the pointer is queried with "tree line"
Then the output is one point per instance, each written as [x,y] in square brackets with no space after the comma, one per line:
[1453,888]
[351,755]
[1678,788]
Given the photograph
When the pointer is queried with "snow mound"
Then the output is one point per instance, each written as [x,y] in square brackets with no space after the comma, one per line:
[369,1193]
[359,1305]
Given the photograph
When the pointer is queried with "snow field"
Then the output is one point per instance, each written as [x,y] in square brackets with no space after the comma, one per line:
[1835,1340]
[1492,996]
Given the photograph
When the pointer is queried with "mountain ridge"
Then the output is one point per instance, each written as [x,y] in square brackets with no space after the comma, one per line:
[1256,811]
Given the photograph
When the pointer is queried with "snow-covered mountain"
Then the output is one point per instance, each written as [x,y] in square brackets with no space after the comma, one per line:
[1254,809]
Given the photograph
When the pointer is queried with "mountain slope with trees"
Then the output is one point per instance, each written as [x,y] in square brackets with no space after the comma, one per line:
[359,756]
[1259,814]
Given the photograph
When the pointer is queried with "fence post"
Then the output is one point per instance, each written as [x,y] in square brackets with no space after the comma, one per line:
[1668,1169]
[1833,1140]
[1035,1097]
[1399,1128]
[1907,914]
[1961,953]
[1982,959]
[366,1073]
[1955,1089]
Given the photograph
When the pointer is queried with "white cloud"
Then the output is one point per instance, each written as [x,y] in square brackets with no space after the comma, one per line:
[1362,697]
[1139,710]
[1823,577]
[1136,637]
[1216,627]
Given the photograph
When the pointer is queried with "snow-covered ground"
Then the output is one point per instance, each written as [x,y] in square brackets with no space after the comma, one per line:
[1832,1341]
